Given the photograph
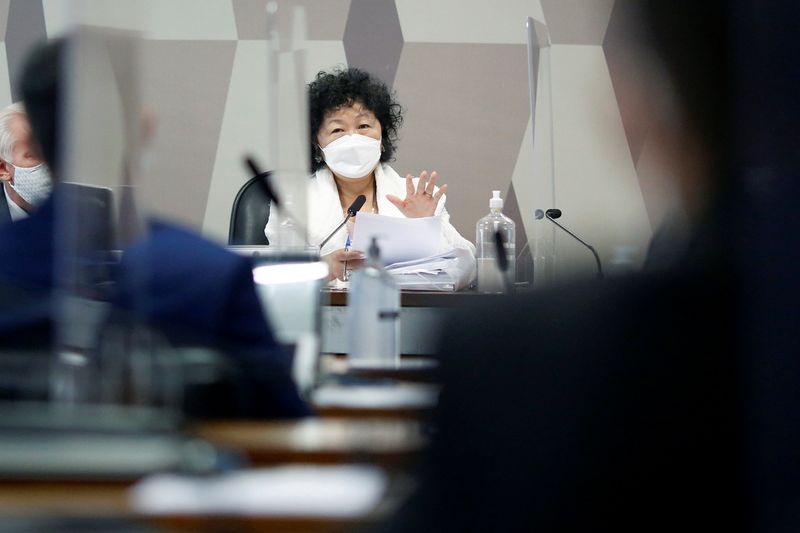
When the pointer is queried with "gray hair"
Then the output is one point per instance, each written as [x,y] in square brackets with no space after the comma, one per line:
[6,142]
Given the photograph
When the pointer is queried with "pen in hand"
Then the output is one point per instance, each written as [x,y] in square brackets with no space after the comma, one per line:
[345,275]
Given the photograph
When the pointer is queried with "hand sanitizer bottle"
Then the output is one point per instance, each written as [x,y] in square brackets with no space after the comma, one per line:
[373,315]
[490,279]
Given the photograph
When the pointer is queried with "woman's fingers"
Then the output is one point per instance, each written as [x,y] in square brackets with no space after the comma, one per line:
[420,201]
[396,200]
[355,264]
[352,256]
[438,194]
[409,185]
[423,182]
[338,259]
[431,186]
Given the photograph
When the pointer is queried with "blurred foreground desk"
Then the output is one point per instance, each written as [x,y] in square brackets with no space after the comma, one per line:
[319,440]
[422,316]
[351,474]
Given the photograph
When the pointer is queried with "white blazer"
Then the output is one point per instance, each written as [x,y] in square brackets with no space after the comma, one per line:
[325,210]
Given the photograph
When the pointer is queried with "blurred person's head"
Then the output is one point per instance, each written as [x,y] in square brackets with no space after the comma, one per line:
[347,102]
[677,78]
[21,164]
[41,92]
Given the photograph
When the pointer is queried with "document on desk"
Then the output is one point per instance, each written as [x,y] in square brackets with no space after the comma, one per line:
[346,491]
[400,239]
[446,271]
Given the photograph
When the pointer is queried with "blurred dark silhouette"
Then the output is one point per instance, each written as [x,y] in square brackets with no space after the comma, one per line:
[191,290]
[668,400]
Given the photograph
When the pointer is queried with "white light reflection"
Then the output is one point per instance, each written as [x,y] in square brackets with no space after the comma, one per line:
[285,273]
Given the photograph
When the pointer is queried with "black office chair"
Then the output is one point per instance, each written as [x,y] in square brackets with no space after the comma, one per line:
[249,214]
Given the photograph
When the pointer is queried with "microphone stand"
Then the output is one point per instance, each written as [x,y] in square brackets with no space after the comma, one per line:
[586,244]
[334,232]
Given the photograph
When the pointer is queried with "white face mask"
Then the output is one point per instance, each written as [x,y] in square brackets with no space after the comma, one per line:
[33,184]
[353,156]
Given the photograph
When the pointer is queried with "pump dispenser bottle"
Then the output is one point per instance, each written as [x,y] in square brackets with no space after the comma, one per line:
[490,278]
[373,315]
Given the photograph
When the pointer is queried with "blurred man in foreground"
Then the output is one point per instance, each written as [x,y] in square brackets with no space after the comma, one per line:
[629,405]
[193,291]
[26,180]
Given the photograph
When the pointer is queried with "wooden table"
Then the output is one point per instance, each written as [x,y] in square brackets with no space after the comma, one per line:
[389,444]
[422,316]
[319,440]
[412,369]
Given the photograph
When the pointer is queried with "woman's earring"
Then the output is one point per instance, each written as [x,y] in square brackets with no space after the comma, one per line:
[383,148]
[317,157]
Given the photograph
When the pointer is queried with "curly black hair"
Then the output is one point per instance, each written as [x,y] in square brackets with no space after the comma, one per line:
[343,87]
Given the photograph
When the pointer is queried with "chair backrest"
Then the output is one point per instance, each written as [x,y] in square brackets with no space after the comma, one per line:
[249,214]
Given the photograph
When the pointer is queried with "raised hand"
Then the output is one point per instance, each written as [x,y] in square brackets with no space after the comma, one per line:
[422,200]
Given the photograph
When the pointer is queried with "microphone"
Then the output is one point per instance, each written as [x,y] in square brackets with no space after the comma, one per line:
[553,214]
[263,182]
[502,259]
[357,204]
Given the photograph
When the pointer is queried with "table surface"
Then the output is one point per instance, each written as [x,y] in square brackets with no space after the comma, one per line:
[110,500]
[387,442]
[338,297]
[391,439]
[390,444]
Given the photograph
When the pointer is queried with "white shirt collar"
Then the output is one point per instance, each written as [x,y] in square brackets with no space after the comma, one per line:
[16,212]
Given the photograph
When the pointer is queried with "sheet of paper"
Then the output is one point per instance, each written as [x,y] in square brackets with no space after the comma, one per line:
[400,396]
[424,261]
[447,271]
[400,239]
[333,491]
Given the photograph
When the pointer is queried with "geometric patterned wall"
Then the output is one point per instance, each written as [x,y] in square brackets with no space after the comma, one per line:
[459,68]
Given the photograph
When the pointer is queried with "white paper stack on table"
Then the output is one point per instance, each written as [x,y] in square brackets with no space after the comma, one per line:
[346,491]
[412,250]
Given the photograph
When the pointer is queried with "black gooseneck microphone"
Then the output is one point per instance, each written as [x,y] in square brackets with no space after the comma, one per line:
[551,215]
[265,183]
[357,204]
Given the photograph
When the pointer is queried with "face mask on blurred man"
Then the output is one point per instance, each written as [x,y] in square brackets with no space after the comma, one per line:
[33,184]
[353,156]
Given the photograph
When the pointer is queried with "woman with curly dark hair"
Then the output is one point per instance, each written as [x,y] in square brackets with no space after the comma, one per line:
[354,120]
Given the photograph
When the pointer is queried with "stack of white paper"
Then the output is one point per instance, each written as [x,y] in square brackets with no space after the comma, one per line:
[394,396]
[412,249]
[296,491]
[449,271]
[399,239]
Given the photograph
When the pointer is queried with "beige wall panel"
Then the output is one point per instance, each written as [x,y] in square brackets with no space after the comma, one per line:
[326,19]
[466,113]
[3,18]
[244,128]
[577,21]
[157,19]
[456,21]
[5,86]
[186,83]
[595,181]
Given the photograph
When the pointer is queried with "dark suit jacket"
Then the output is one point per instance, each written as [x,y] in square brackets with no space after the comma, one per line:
[5,214]
[193,290]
